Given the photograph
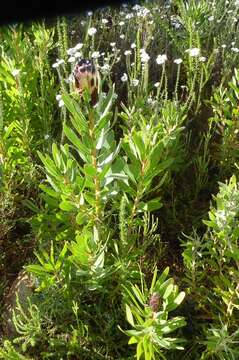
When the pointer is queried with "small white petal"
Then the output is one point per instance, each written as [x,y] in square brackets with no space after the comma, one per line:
[15,72]
[92,31]
[178,61]
[61,103]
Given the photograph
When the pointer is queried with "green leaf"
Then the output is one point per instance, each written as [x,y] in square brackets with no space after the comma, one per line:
[56,156]
[90,170]
[153,205]
[78,120]
[129,315]
[168,291]
[67,205]
[82,149]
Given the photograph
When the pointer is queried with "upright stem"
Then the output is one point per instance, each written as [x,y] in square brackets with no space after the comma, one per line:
[94,163]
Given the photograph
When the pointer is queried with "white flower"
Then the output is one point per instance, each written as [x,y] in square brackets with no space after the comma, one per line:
[211,18]
[136,7]
[78,46]
[133,46]
[178,61]
[92,31]
[121,23]
[90,13]
[157,84]
[144,56]
[233,43]
[161,59]
[61,103]
[127,52]
[224,46]
[55,65]
[235,49]
[46,137]
[129,16]
[237,3]
[61,61]
[95,54]
[71,59]
[78,54]
[112,44]
[71,51]
[202,59]
[122,36]
[105,69]
[143,12]
[58,97]
[71,78]
[124,77]
[135,82]
[104,21]
[193,52]
[15,72]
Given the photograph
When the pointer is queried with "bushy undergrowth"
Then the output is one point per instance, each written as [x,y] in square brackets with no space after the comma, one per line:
[111,195]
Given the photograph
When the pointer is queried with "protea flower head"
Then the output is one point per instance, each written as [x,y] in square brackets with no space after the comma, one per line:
[86,77]
[154,302]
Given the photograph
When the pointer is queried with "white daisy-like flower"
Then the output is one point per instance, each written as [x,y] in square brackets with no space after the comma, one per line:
[178,61]
[133,46]
[15,72]
[211,18]
[92,31]
[127,52]
[124,78]
[58,97]
[105,21]
[193,52]
[129,16]
[235,49]
[90,13]
[105,69]
[121,23]
[78,54]
[202,58]
[156,84]
[135,82]
[55,65]
[144,56]
[233,43]
[122,36]
[78,46]
[71,51]
[236,3]
[71,59]
[160,60]
[112,44]
[224,46]
[136,7]
[61,103]
[61,61]
[95,54]
[46,137]
[143,12]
